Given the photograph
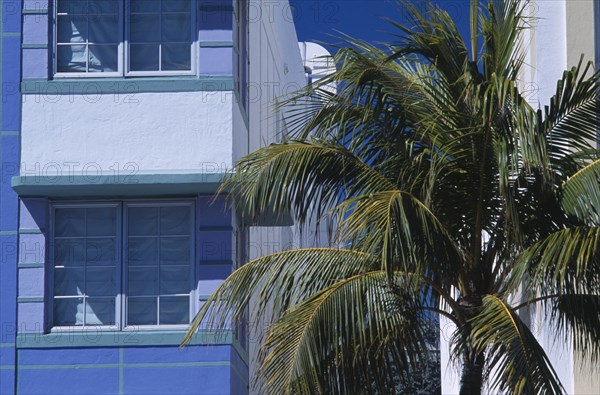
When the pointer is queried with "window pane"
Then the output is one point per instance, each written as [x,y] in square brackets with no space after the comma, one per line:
[69,252]
[176,5]
[175,220]
[69,222]
[103,6]
[100,311]
[145,28]
[141,311]
[176,57]
[93,21]
[174,280]
[102,221]
[104,29]
[142,281]
[68,311]
[144,57]
[143,221]
[174,310]
[100,281]
[103,58]
[71,58]
[176,27]
[145,5]
[69,282]
[142,251]
[71,29]
[101,252]
[175,250]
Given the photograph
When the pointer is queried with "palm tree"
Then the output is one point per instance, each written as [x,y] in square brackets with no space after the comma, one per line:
[453,196]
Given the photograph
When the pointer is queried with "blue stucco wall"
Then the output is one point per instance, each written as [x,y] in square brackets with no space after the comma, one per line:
[10,120]
[98,361]
[130,370]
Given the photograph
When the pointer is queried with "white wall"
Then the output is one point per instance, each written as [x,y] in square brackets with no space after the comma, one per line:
[157,132]
[275,70]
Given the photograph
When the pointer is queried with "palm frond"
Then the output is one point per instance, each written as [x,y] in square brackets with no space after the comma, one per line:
[296,174]
[518,361]
[502,29]
[403,231]
[580,194]
[567,261]
[356,319]
[577,320]
[278,281]
[571,121]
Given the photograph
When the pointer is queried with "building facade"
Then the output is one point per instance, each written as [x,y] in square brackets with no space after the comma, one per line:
[119,120]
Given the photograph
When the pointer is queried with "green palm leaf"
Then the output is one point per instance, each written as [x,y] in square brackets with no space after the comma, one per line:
[581,193]
[297,174]
[279,280]
[519,362]
[353,319]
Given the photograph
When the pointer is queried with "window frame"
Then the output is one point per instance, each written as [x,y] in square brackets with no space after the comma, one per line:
[124,274]
[169,73]
[123,49]
[121,206]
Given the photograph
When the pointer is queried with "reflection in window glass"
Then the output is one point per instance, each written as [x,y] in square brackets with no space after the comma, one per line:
[155,278]
[85,266]
[87,34]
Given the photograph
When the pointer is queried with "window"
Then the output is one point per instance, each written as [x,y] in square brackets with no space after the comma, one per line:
[122,264]
[97,38]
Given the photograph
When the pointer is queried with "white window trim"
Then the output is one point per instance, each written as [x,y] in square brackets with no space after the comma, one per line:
[121,297]
[50,271]
[193,280]
[123,50]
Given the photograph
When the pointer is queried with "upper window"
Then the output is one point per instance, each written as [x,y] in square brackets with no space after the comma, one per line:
[124,37]
[122,265]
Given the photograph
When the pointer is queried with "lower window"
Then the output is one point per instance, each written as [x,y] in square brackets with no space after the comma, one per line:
[118,265]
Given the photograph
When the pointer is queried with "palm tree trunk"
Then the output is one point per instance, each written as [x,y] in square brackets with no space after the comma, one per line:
[471,380]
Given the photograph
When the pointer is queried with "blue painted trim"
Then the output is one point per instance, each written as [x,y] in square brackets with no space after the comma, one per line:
[30,299]
[100,338]
[125,365]
[78,86]
[34,46]
[117,185]
[215,44]
[30,231]
[39,11]
[8,232]
[40,265]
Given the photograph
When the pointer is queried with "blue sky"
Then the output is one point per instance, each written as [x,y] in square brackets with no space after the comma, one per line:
[316,19]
